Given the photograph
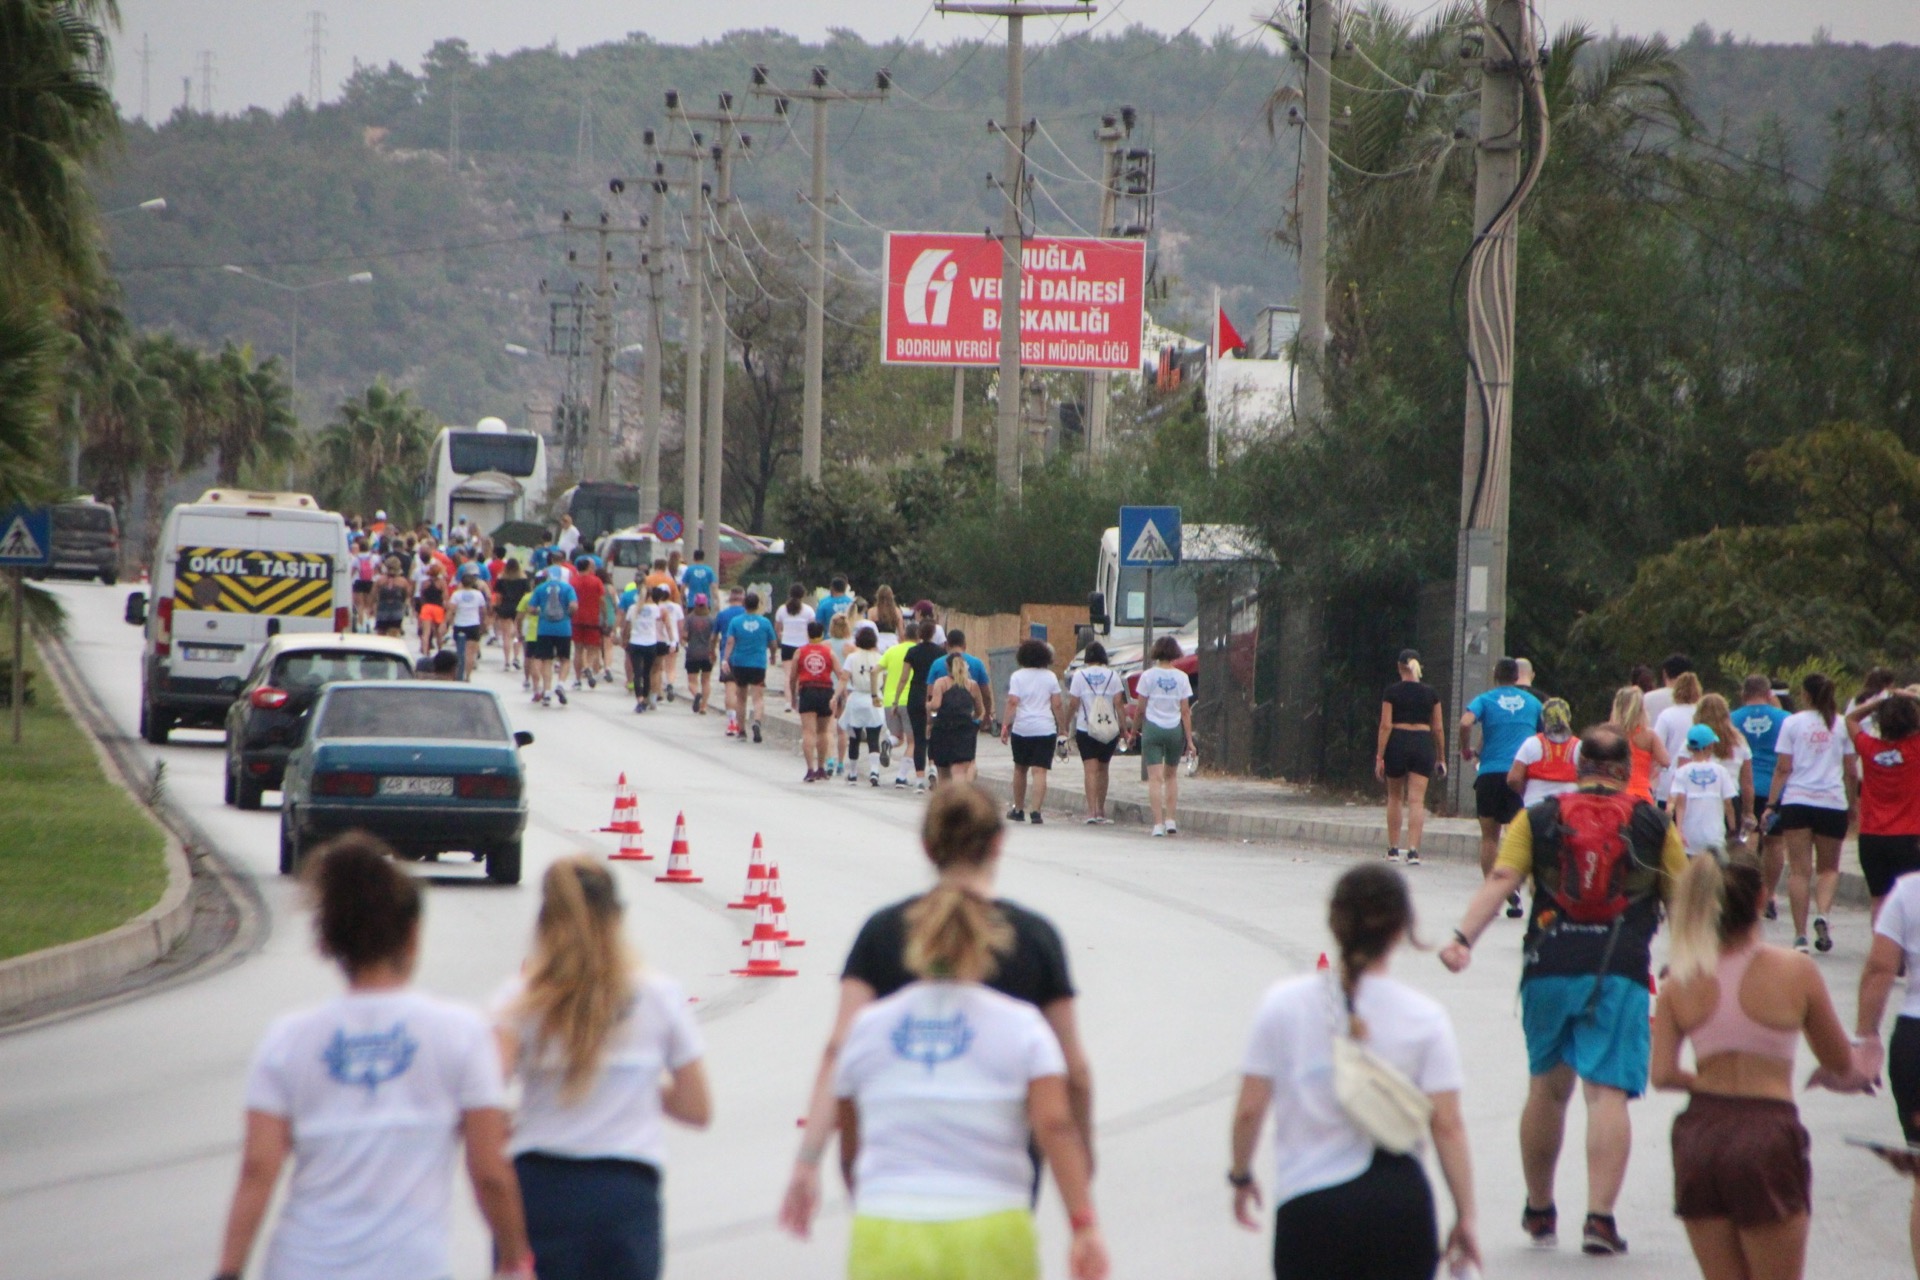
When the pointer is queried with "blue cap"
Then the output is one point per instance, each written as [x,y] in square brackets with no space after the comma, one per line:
[1702,736]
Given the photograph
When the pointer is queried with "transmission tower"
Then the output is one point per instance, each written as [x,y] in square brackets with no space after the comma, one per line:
[146,79]
[583,138]
[316,51]
[206,82]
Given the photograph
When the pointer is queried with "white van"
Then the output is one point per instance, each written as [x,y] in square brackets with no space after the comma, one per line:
[230,571]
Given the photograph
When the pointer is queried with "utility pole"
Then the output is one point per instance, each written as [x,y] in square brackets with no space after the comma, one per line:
[596,460]
[1110,135]
[206,82]
[316,52]
[1007,433]
[1310,350]
[821,95]
[693,322]
[146,79]
[959,425]
[1507,70]
[655,261]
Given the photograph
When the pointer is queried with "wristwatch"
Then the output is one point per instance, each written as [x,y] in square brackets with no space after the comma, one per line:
[1239,1181]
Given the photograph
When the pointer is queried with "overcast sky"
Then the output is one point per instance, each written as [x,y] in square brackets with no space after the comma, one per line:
[260,48]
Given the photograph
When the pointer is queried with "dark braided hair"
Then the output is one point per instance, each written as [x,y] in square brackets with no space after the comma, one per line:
[1370,910]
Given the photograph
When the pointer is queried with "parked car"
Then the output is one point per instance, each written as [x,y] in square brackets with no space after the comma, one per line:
[86,542]
[430,768]
[269,718]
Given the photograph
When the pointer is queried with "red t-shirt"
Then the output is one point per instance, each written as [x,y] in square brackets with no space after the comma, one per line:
[589,588]
[1889,785]
[813,665]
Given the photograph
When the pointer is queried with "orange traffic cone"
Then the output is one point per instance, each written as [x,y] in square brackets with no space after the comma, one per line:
[764,955]
[773,911]
[680,858]
[1320,965]
[632,847]
[756,878]
[773,880]
[626,809]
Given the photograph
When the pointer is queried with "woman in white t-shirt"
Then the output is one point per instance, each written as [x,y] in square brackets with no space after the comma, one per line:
[606,1054]
[1032,726]
[373,1094]
[861,717]
[1895,950]
[1164,718]
[1813,791]
[467,610]
[1348,1210]
[791,619]
[1098,693]
[1671,726]
[942,1086]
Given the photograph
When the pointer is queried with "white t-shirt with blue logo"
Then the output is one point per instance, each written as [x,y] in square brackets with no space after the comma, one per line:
[1508,716]
[939,1072]
[374,1085]
[1707,784]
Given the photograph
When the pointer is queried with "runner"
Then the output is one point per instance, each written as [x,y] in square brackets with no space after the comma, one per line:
[1895,951]
[815,671]
[1657,704]
[433,611]
[698,579]
[736,607]
[589,641]
[606,1052]
[839,599]
[1759,719]
[1730,749]
[953,739]
[1507,716]
[1411,749]
[898,730]
[1349,1209]
[744,654]
[1586,970]
[886,617]
[923,613]
[1889,757]
[840,640]
[1547,764]
[1742,1183]
[1032,725]
[1813,791]
[963,837]
[1701,796]
[373,1094]
[956,642]
[793,618]
[1629,719]
[1671,726]
[697,644]
[509,589]
[567,541]
[642,641]
[468,613]
[552,605]
[390,595]
[1100,714]
[366,567]
[674,622]
[862,719]
[920,660]
[1163,717]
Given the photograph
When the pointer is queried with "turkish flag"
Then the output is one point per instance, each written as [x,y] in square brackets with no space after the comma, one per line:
[1229,337]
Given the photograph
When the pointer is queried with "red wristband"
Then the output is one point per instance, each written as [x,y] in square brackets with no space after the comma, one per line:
[1082,1220]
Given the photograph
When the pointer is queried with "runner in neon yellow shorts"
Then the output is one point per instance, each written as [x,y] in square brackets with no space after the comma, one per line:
[997,1246]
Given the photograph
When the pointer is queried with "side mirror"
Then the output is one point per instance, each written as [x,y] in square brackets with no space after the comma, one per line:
[136,611]
[522,738]
[1097,611]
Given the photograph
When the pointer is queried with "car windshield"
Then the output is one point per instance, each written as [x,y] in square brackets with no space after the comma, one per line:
[311,670]
[400,712]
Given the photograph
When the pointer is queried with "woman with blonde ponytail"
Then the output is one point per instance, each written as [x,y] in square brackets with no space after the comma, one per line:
[1742,1181]
[592,1037]
[1411,750]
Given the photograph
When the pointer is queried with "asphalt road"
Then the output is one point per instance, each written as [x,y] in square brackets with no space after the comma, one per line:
[119,1128]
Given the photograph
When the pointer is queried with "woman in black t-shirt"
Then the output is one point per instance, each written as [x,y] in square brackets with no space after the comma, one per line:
[962,835]
[1412,749]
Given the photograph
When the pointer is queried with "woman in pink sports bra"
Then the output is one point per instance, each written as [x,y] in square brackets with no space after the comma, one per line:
[1742,1183]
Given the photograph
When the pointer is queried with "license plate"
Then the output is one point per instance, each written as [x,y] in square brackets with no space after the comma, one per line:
[209,652]
[411,786]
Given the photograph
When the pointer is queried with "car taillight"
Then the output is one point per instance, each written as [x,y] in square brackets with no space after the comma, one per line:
[341,620]
[268,698]
[343,784]
[163,626]
[486,786]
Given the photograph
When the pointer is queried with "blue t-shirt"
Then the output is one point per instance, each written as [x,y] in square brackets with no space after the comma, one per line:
[1760,726]
[1508,716]
[629,595]
[537,603]
[698,579]
[828,606]
[724,619]
[978,670]
[752,637]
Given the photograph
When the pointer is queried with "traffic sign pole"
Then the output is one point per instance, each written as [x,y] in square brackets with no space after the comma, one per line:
[1146,657]
[19,648]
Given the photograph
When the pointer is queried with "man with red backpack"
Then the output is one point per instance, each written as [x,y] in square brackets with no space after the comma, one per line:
[1601,863]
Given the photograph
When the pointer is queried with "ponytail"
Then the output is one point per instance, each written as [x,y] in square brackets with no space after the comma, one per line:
[956,935]
[579,980]
[1371,910]
[1712,905]
[1819,691]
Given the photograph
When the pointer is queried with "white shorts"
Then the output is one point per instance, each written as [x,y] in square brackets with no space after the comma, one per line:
[861,713]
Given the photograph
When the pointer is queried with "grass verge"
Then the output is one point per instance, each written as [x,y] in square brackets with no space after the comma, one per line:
[77,856]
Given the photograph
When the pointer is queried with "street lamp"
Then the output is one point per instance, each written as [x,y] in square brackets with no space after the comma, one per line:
[517,351]
[293,363]
[156,205]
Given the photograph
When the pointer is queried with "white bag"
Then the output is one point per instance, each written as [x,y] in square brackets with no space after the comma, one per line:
[1376,1095]
[1103,718]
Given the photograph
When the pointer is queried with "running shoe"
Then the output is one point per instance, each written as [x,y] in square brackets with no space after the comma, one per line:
[1034,817]
[1092,821]
[1159,830]
[1773,909]
[670,693]
[591,682]
[1016,815]
[886,752]
[697,701]
[1600,1237]
[539,697]
[853,779]
[561,694]
[874,778]
[638,707]
[576,682]
[756,731]
[1541,1225]
[1413,857]
[812,776]
[1800,945]
[920,786]
[900,784]
[1822,936]
[1514,909]
[1173,828]
[1393,854]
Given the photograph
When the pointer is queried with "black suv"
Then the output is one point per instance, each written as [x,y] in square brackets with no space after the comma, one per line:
[86,542]
[269,718]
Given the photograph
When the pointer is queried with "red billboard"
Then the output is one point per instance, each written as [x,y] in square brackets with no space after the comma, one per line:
[1080,301]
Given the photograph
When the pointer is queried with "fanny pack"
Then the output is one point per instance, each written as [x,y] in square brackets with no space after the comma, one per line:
[1373,1093]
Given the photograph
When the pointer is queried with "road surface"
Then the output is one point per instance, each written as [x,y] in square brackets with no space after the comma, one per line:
[119,1128]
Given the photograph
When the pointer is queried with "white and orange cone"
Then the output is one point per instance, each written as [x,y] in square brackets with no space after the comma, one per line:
[679,857]
[626,809]
[773,911]
[756,878]
[632,846]
[765,958]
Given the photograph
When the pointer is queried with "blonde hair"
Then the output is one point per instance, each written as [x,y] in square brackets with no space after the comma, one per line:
[1714,713]
[841,627]
[1629,709]
[580,977]
[1712,905]
[1413,668]
[1686,689]
[955,935]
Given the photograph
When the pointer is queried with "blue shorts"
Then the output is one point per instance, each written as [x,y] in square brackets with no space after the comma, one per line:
[1609,1044]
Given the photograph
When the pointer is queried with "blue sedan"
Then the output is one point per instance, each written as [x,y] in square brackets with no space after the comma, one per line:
[428,767]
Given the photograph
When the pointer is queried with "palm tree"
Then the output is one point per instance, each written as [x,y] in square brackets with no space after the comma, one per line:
[372,455]
[31,345]
[253,420]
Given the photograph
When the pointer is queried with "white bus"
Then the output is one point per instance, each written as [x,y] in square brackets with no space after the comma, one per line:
[488,473]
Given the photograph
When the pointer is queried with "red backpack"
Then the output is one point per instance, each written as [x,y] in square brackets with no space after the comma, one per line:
[1596,855]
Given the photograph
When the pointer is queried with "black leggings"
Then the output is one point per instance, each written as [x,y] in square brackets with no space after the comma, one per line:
[1380,1226]
[917,720]
[857,736]
[641,658]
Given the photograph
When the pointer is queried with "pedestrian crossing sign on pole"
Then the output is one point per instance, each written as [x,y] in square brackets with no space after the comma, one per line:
[26,537]
[1149,537]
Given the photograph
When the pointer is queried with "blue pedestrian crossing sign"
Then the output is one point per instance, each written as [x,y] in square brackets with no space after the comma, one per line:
[1149,537]
[26,537]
